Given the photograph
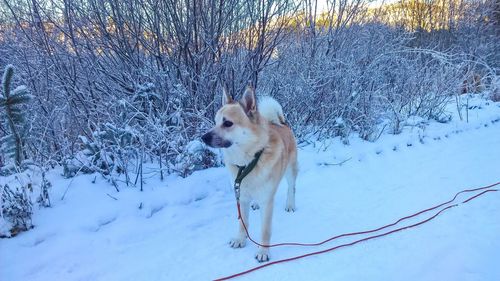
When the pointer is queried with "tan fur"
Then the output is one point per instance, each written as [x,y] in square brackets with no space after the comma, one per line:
[250,133]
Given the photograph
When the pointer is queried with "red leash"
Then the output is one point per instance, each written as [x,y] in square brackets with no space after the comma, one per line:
[366,231]
[485,190]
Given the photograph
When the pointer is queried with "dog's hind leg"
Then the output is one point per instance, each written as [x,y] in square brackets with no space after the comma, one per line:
[291,175]
[241,238]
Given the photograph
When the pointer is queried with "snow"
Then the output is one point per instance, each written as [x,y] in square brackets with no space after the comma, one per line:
[178,229]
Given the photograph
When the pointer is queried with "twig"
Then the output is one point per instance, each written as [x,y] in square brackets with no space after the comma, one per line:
[334,164]
[69,184]
[112,196]
[381,131]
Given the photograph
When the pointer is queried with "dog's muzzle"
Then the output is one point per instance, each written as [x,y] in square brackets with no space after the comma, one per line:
[213,140]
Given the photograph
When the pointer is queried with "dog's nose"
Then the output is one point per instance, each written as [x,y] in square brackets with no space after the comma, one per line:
[207,138]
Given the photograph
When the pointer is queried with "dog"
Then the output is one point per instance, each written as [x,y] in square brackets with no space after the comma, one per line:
[242,130]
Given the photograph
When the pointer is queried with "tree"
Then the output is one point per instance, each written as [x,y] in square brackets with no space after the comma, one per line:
[11,103]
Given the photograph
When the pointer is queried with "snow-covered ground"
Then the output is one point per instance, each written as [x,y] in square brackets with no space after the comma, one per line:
[178,229]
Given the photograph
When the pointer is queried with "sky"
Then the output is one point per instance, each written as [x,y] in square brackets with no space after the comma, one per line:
[322,4]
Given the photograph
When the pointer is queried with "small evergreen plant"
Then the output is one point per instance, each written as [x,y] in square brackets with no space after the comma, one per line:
[11,105]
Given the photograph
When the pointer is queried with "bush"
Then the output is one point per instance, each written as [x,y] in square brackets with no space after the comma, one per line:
[16,209]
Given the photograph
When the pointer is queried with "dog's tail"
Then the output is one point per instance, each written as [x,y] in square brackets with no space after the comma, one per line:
[270,109]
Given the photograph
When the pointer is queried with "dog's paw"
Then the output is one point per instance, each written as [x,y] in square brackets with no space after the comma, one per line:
[255,206]
[290,208]
[237,242]
[262,255]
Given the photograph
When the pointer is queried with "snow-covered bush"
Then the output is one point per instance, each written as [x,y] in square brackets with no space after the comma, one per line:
[366,82]
[44,198]
[351,69]
[16,210]
[78,163]
[195,156]
[109,150]
[495,89]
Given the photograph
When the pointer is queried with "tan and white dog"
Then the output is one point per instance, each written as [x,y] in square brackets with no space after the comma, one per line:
[242,129]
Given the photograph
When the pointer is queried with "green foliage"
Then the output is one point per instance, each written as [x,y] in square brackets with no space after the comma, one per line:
[12,104]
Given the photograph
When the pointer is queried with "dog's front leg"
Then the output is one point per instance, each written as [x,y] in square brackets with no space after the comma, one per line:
[267,217]
[240,240]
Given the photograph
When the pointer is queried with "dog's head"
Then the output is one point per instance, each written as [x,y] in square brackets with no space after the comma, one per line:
[235,122]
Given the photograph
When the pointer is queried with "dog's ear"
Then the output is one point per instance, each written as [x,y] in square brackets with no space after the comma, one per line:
[248,101]
[226,97]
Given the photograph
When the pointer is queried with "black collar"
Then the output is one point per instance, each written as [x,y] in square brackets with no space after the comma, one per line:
[243,171]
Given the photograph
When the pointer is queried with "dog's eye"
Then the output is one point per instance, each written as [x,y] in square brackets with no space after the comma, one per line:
[227,123]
